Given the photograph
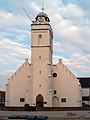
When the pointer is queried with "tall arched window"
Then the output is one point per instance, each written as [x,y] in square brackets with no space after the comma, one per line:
[39,39]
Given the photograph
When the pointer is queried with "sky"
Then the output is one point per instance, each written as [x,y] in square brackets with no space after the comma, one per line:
[70,21]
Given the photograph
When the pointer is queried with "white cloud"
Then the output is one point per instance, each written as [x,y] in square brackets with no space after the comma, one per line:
[13,52]
[13,43]
[72,10]
[9,19]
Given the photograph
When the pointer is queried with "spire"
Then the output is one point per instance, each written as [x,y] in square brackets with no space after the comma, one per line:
[42,7]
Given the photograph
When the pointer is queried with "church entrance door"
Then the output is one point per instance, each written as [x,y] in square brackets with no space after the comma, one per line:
[55,102]
[39,100]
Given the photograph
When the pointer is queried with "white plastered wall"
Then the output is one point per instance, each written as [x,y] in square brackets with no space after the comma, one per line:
[67,86]
[18,86]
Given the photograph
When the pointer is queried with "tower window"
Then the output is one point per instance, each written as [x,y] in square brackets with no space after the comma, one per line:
[40,71]
[39,39]
[39,57]
[55,92]
[39,85]
[40,36]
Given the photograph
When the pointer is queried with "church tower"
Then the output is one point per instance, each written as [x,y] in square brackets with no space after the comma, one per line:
[41,54]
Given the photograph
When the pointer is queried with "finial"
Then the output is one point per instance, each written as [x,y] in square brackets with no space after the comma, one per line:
[42,7]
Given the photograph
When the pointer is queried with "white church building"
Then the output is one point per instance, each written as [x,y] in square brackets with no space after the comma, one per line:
[40,83]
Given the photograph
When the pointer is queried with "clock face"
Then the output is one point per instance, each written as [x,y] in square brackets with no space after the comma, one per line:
[40,19]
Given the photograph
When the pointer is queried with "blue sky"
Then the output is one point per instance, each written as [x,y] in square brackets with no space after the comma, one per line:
[70,20]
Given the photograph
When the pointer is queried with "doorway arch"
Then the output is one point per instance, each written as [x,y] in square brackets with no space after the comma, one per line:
[55,101]
[39,100]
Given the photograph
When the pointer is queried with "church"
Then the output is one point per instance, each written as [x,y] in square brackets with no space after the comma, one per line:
[42,83]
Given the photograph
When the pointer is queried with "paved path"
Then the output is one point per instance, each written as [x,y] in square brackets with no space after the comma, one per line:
[72,114]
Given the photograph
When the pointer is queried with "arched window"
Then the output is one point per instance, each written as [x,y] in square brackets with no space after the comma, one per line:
[39,39]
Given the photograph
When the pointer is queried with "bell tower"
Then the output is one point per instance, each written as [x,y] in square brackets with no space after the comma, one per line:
[41,54]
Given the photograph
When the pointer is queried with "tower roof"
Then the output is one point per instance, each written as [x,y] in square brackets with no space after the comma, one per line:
[42,14]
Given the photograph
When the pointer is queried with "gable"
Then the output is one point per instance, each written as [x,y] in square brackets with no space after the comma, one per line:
[61,70]
[21,71]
